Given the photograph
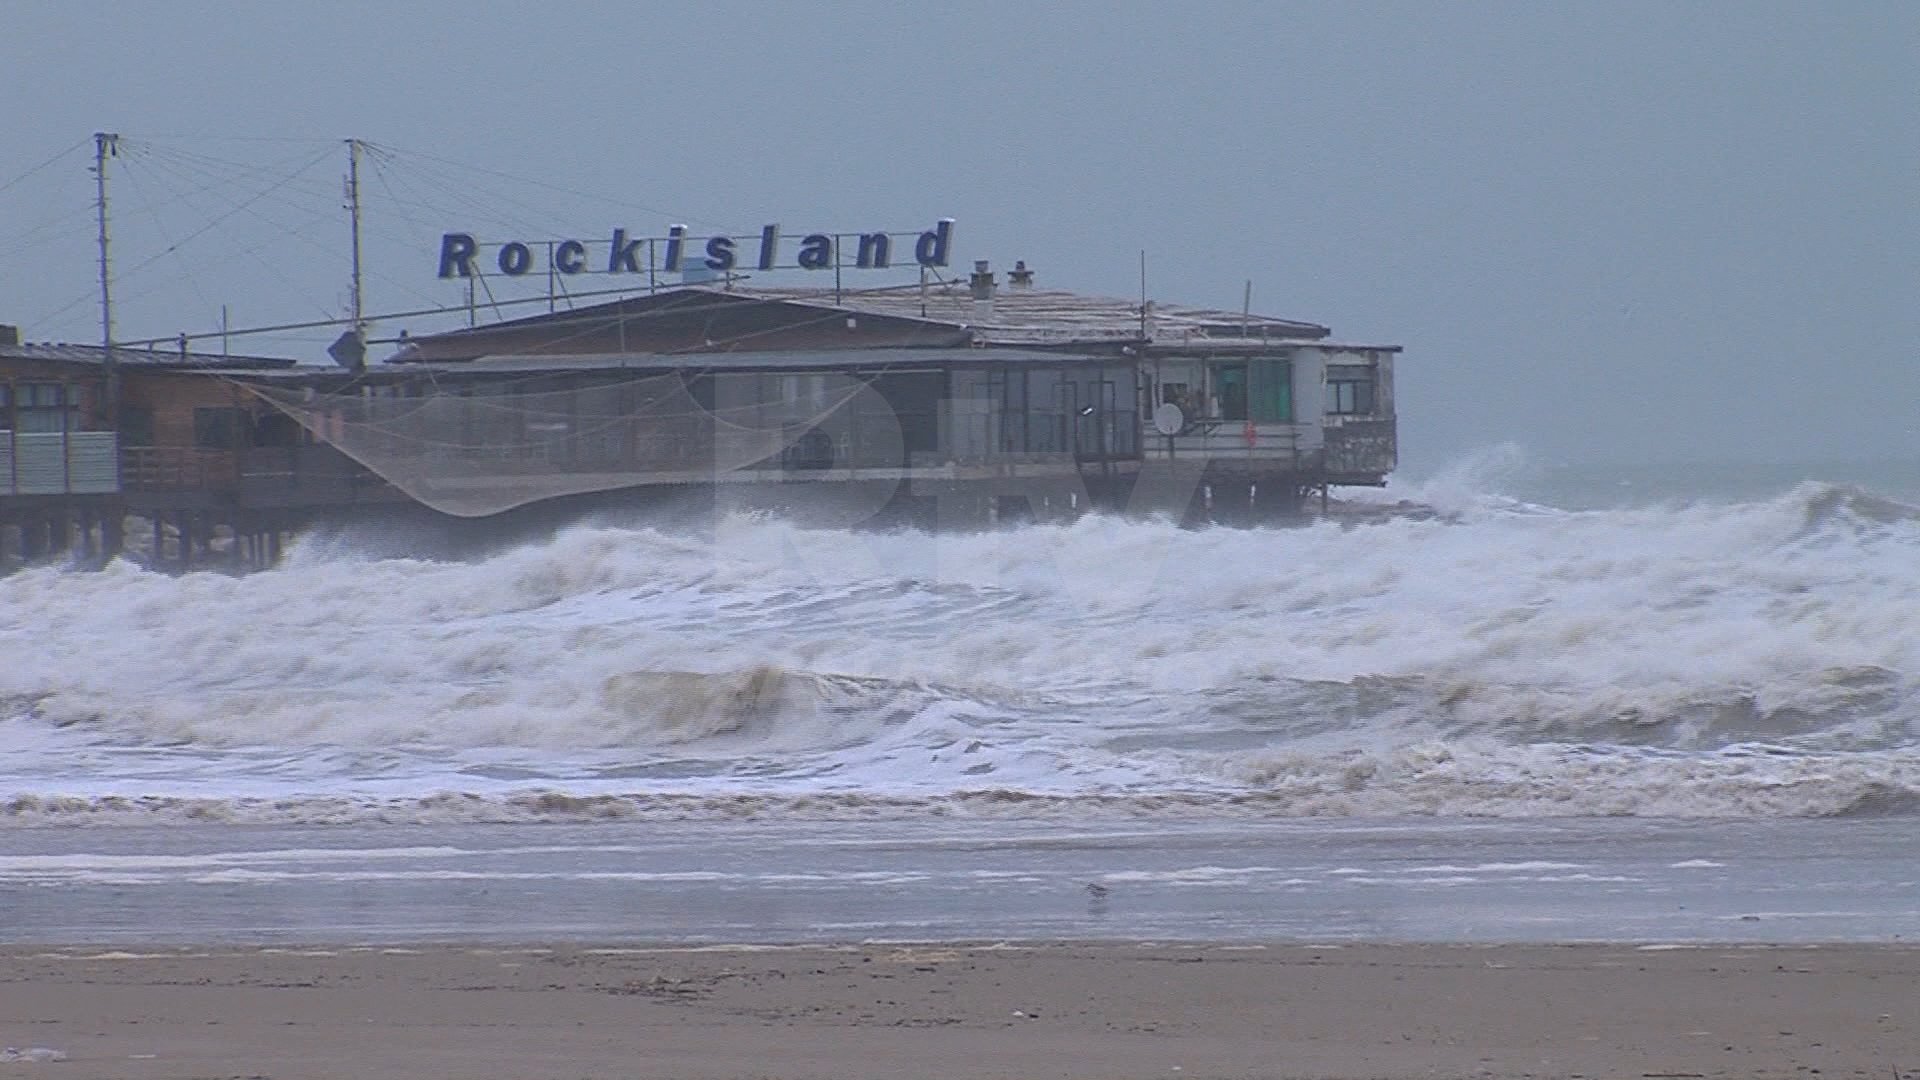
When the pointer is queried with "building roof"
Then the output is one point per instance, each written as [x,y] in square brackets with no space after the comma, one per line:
[1212,346]
[142,359]
[764,360]
[786,359]
[1026,316]
[683,319]
[708,318]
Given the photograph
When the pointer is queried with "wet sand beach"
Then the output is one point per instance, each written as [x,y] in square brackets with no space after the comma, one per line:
[1067,1010]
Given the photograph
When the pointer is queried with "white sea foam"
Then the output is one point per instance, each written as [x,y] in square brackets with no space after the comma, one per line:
[1503,659]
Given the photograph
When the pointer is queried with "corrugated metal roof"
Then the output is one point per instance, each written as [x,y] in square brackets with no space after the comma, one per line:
[786,359]
[1016,317]
[1044,316]
[94,355]
[1208,346]
[754,361]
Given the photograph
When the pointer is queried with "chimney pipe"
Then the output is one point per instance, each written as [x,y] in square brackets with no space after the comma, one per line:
[982,287]
[9,335]
[1020,277]
[981,281]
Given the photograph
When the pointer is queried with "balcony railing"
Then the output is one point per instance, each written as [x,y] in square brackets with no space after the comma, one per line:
[1271,445]
[261,476]
[177,468]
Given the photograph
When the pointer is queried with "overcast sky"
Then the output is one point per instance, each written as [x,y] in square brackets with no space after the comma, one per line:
[1605,232]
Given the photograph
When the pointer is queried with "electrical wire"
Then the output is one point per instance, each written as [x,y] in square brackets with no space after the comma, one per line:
[9,184]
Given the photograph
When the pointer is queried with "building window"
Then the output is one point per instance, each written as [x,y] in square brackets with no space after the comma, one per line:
[1350,393]
[275,429]
[1272,392]
[136,425]
[1179,395]
[46,408]
[216,428]
[1230,387]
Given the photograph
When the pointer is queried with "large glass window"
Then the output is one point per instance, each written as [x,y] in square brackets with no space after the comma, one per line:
[1230,387]
[1046,416]
[1272,390]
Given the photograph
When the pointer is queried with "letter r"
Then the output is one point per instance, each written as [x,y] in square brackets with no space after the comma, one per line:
[456,254]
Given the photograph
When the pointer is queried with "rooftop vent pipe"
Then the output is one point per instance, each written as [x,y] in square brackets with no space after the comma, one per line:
[982,287]
[981,281]
[1020,277]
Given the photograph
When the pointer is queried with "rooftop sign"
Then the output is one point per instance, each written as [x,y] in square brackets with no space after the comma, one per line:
[677,251]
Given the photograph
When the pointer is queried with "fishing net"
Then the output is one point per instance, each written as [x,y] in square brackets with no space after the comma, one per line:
[481,448]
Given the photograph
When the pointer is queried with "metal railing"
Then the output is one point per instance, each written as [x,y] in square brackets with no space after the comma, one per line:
[1228,440]
[178,468]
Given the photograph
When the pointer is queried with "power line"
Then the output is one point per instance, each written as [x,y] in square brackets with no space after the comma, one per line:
[559,188]
[9,184]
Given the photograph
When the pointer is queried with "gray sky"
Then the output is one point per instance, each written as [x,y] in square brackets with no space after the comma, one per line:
[1607,232]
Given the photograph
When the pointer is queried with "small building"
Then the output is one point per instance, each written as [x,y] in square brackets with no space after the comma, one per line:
[184,451]
[943,403]
[891,429]
[1253,411]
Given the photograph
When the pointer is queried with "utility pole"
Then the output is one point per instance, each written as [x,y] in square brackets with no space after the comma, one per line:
[106,145]
[353,205]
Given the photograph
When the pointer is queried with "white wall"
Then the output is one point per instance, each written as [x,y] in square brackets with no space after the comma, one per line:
[1309,395]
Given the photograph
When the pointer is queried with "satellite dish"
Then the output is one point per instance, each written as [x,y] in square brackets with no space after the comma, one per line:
[1169,420]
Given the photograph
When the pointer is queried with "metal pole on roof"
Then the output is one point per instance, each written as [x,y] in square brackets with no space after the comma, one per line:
[106,145]
[353,207]
[1143,294]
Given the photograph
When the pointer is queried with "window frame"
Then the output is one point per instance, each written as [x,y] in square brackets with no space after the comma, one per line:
[1353,396]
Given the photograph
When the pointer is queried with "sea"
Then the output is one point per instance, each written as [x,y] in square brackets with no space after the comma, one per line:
[1514,701]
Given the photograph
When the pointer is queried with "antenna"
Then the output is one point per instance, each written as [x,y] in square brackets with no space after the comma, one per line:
[106,145]
[353,205]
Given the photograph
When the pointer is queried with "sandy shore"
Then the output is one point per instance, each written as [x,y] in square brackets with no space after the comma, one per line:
[1094,1011]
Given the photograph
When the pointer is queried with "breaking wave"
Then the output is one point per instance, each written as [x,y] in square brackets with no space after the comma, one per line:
[1494,658]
